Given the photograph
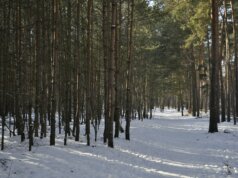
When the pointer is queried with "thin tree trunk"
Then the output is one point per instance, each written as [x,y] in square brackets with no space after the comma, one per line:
[53,69]
[193,83]
[105,59]
[37,67]
[227,60]
[128,78]
[3,62]
[88,79]
[117,70]
[236,58]
[214,99]
[222,89]
[19,120]
[30,69]
[78,112]
[111,75]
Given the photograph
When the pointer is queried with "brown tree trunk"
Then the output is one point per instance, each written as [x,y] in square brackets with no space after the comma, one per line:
[236,63]
[53,73]
[194,84]
[117,57]
[111,75]
[128,77]
[105,59]
[214,99]
[78,70]
[88,79]
[4,57]
[19,119]
[37,69]
[227,67]
[222,89]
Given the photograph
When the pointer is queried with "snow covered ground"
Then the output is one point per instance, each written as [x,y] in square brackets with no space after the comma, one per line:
[166,146]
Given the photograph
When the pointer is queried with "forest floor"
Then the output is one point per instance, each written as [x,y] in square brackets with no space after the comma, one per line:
[166,146]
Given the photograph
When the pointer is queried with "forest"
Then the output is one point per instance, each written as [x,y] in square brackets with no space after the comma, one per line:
[86,70]
[146,77]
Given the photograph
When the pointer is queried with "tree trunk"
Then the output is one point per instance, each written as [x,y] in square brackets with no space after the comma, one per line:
[78,112]
[53,69]
[43,99]
[117,70]
[128,77]
[227,67]
[111,75]
[194,84]
[105,59]
[37,69]
[222,88]
[19,120]
[88,79]
[236,63]
[4,57]
[214,100]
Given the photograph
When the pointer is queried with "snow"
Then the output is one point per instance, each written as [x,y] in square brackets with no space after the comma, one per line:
[166,146]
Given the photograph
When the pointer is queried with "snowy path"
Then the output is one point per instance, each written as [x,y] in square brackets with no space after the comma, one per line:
[166,146]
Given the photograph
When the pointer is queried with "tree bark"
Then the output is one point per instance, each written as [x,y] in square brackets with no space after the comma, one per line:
[105,59]
[88,80]
[227,67]
[214,100]
[53,69]
[236,58]
[117,70]
[111,75]
[78,112]
[128,77]
[37,69]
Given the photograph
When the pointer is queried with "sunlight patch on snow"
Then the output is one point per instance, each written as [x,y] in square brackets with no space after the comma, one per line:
[30,162]
[170,162]
[12,158]
[149,170]
[188,128]
[179,150]
[56,159]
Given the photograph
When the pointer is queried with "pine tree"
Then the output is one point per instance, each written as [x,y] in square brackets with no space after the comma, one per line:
[214,100]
